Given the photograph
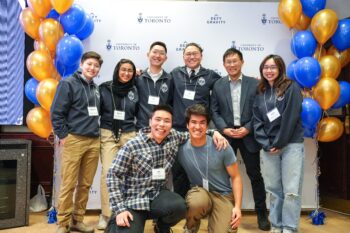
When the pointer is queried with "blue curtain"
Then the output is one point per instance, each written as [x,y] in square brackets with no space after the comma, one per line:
[11,63]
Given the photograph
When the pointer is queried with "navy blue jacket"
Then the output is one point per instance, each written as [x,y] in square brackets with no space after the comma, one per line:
[69,110]
[202,84]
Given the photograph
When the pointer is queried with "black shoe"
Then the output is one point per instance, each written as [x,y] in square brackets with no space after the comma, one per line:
[263,221]
[158,229]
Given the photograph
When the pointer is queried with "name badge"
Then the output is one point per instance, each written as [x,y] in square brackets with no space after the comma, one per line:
[93,111]
[119,115]
[189,95]
[206,184]
[158,174]
[273,114]
[153,100]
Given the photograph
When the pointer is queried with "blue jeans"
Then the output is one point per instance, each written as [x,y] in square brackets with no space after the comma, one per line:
[283,175]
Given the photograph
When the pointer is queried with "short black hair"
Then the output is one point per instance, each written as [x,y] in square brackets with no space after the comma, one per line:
[162,107]
[232,51]
[195,45]
[92,54]
[160,44]
[199,110]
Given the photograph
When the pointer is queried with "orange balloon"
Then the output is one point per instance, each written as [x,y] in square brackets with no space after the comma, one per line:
[344,56]
[30,23]
[318,54]
[45,92]
[40,7]
[329,129]
[38,121]
[330,66]
[50,31]
[303,22]
[289,12]
[61,6]
[39,65]
[39,45]
[324,24]
[326,92]
[56,75]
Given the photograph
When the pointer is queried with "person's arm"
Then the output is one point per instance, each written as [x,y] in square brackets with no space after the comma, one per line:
[215,110]
[290,116]
[237,188]
[59,110]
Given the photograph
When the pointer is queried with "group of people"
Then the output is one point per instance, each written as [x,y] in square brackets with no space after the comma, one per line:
[159,158]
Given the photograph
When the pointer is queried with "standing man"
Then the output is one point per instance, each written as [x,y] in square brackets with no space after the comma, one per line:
[138,175]
[214,175]
[232,108]
[75,120]
[153,84]
[190,84]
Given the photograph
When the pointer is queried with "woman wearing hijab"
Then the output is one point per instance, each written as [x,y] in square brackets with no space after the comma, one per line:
[119,99]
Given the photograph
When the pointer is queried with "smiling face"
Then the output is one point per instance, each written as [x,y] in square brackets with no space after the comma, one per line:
[197,127]
[233,65]
[160,123]
[192,57]
[270,71]
[90,68]
[157,56]
[126,72]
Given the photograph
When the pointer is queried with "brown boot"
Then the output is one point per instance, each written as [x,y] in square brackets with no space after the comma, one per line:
[81,227]
[62,229]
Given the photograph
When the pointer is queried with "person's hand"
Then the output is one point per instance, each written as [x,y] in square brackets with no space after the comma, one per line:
[62,141]
[219,141]
[228,132]
[274,150]
[236,218]
[122,219]
[241,132]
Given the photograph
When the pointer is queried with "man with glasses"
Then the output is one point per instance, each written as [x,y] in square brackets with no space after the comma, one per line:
[153,84]
[190,84]
[232,110]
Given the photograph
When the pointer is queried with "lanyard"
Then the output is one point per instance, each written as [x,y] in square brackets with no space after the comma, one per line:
[86,95]
[270,98]
[155,86]
[123,99]
[195,87]
[196,163]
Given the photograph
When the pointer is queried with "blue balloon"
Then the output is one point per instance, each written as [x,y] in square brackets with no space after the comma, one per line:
[87,30]
[303,44]
[290,70]
[311,7]
[307,71]
[73,19]
[64,70]
[69,50]
[344,97]
[53,14]
[311,113]
[341,37]
[30,90]
[309,132]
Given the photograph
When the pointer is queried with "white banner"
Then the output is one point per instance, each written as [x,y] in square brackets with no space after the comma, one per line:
[126,29]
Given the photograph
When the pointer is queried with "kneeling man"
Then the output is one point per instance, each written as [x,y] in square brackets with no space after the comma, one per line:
[214,176]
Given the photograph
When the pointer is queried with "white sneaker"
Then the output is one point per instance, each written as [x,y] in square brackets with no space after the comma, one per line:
[102,222]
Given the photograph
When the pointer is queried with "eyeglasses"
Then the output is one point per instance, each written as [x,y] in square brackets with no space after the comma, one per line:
[194,54]
[157,52]
[126,70]
[270,68]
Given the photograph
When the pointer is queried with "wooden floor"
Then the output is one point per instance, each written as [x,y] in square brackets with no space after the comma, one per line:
[335,223]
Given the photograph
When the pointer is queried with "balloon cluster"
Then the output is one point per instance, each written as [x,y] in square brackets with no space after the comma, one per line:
[58,27]
[317,68]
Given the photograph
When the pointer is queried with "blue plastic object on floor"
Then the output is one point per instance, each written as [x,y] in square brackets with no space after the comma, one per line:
[317,217]
[52,215]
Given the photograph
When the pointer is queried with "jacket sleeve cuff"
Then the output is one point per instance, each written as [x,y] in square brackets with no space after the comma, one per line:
[119,209]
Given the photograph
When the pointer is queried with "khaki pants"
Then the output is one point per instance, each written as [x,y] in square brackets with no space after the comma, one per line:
[201,203]
[109,149]
[78,166]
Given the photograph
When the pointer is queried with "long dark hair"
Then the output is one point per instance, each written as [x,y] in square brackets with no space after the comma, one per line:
[281,83]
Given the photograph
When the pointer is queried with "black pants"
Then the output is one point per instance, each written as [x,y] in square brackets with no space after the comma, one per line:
[181,182]
[252,165]
[168,208]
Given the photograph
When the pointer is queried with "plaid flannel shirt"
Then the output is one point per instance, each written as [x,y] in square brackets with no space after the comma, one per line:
[129,179]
